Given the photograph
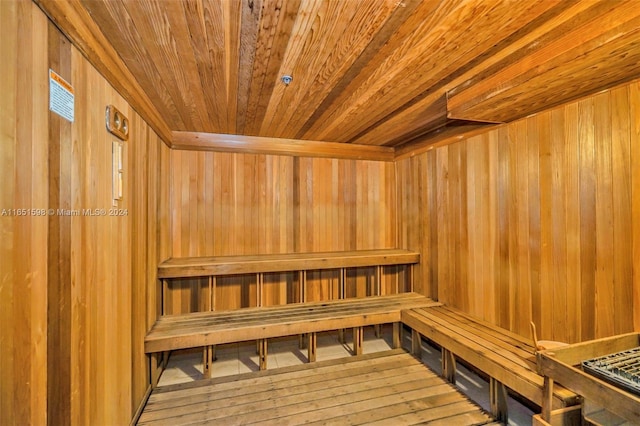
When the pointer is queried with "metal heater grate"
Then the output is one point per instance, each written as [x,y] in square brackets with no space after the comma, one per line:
[620,369]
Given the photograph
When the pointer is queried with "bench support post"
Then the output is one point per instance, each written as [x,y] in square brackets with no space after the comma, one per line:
[397,342]
[263,353]
[342,293]
[157,364]
[547,399]
[378,292]
[377,329]
[448,365]
[207,361]
[312,347]
[208,352]
[357,340]
[498,398]
[416,344]
[164,290]
[302,286]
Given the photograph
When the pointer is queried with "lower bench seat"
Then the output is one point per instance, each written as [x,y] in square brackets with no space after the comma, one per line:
[184,331]
[508,359]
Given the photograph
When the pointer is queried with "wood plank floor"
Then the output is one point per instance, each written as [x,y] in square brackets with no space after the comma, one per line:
[390,387]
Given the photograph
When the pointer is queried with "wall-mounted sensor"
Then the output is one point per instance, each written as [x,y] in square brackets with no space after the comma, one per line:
[117,123]
[286,79]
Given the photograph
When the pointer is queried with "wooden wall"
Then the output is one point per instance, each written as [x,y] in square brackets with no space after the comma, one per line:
[226,204]
[538,219]
[74,300]
[23,240]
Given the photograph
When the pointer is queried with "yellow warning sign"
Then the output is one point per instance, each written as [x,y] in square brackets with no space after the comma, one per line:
[61,98]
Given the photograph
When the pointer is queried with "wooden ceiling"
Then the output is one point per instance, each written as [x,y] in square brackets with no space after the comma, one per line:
[372,72]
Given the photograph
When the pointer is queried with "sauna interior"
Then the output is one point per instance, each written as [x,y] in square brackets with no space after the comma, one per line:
[438,172]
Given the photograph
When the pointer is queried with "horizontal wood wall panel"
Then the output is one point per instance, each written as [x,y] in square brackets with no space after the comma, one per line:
[240,204]
[77,292]
[535,220]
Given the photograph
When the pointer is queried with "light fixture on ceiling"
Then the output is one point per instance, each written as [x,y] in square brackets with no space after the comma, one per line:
[286,79]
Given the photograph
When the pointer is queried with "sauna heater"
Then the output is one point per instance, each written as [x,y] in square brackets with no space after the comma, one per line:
[620,369]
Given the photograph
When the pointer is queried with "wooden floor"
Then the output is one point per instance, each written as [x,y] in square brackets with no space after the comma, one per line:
[390,387]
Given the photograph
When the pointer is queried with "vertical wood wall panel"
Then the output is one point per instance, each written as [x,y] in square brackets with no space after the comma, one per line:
[77,292]
[263,204]
[536,220]
[23,236]
[24,255]
[634,127]
[59,245]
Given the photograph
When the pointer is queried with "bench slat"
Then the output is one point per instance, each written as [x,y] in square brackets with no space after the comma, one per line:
[482,351]
[211,328]
[479,344]
[520,350]
[243,313]
[184,267]
[498,332]
[265,315]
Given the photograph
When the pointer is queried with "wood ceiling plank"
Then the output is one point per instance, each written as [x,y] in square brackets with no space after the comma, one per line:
[562,16]
[153,25]
[249,29]
[545,91]
[206,32]
[182,52]
[352,31]
[278,146]
[276,23]
[198,55]
[516,26]
[114,19]
[371,29]
[232,14]
[74,21]
[308,32]
[561,71]
[382,69]
[460,36]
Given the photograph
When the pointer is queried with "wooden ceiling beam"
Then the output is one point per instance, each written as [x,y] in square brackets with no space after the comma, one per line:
[526,29]
[422,62]
[74,21]
[572,63]
[196,141]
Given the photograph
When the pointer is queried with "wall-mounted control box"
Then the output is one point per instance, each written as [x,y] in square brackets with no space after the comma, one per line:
[117,123]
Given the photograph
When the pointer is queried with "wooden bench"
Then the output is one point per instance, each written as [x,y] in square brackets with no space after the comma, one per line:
[213,267]
[507,358]
[217,266]
[183,267]
[172,332]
